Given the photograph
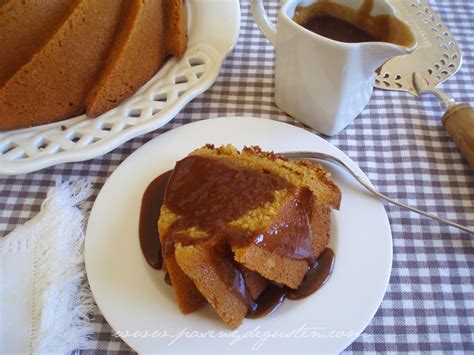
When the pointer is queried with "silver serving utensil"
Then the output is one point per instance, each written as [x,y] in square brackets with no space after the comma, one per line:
[436,57]
[422,86]
[337,161]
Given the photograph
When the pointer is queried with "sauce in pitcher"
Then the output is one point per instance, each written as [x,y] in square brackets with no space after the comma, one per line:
[344,24]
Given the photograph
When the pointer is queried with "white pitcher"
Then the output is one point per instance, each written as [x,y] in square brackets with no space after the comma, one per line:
[319,81]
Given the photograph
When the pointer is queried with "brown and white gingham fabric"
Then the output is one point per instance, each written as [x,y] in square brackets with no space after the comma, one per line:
[397,141]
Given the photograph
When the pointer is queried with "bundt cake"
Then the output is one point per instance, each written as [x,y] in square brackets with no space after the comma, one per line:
[232,222]
[20,35]
[81,56]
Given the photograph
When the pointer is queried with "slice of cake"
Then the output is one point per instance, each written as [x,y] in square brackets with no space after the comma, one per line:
[212,269]
[188,296]
[135,57]
[176,36]
[233,221]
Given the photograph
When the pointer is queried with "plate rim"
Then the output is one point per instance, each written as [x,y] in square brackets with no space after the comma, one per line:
[385,221]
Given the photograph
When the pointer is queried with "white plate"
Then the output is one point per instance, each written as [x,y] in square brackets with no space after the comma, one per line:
[139,305]
[155,104]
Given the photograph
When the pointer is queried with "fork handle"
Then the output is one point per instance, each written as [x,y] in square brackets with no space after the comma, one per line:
[459,122]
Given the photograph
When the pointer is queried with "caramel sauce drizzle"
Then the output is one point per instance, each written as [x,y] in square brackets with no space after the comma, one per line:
[225,193]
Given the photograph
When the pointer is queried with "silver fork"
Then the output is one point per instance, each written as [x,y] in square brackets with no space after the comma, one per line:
[337,161]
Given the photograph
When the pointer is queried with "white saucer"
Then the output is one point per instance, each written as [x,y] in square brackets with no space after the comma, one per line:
[141,307]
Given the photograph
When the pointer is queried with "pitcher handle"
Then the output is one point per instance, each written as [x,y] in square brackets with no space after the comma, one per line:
[263,22]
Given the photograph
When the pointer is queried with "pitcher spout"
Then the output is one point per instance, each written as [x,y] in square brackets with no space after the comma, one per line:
[376,54]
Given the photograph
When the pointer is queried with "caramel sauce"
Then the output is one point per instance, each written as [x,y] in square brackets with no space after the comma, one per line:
[344,24]
[149,213]
[168,279]
[316,276]
[292,237]
[274,296]
[268,301]
[224,193]
[230,274]
[337,29]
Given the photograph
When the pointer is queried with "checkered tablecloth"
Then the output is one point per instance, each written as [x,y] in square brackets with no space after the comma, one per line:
[397,141]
